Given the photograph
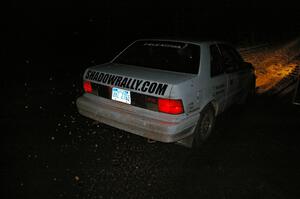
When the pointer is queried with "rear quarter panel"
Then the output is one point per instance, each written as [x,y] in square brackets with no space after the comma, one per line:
[206,88]
[197,92]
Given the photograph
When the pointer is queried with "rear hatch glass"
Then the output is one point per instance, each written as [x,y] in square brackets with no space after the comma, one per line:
[164,55]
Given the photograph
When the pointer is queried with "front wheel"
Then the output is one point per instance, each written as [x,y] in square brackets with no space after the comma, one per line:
[249,95]
[204,126]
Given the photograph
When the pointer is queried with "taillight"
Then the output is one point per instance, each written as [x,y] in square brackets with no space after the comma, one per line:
[87,86]
[170,106]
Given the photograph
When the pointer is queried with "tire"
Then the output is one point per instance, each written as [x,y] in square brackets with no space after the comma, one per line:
[248,96]
[251,93]
[204,126]
[253,89]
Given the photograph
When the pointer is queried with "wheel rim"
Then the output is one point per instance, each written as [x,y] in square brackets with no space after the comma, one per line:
[206,125]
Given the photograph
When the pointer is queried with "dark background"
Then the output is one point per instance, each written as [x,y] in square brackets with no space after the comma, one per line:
[39,32]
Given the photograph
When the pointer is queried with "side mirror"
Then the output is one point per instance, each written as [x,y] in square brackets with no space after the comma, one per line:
[229,68]
[247,65]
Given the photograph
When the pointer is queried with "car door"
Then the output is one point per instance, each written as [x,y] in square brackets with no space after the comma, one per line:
[219,79]
[231,65]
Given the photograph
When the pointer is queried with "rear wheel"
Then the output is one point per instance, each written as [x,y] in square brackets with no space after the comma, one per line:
[204,126]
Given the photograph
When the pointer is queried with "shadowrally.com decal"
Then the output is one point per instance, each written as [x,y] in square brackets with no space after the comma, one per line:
[125,82]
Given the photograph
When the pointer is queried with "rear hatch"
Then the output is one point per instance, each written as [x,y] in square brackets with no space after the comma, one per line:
[136,79]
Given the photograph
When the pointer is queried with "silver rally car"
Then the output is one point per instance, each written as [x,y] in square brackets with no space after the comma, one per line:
[167,90]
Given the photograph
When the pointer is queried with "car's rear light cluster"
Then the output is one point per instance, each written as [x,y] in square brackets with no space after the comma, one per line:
[87,86]
[170,106]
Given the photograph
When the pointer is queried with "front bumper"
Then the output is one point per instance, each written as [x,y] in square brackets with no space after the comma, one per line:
[153,125]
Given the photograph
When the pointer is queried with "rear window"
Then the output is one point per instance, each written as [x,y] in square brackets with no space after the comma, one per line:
[163,55]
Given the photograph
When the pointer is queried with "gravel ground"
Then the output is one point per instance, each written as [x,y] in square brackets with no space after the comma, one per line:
[50,151]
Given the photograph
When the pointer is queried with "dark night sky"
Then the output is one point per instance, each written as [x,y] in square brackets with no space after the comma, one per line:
[64,31]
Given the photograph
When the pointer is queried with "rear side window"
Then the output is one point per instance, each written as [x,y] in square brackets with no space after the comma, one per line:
[216,61]
[231,56]
[163,55]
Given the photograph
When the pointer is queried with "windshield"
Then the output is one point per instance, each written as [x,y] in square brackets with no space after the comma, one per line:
[163,55]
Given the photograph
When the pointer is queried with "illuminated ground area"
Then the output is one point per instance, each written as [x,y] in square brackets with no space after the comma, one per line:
[273,62]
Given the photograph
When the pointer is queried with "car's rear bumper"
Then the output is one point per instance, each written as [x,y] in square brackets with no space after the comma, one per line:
[153,125]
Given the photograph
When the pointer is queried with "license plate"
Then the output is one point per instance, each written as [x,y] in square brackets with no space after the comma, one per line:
[121,95]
